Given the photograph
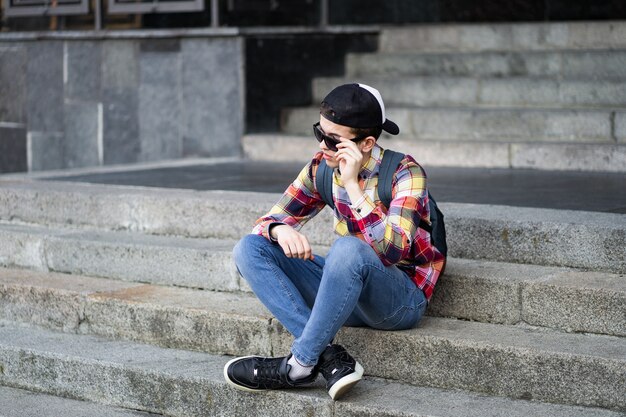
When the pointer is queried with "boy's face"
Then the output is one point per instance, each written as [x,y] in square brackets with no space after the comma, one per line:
[340,132]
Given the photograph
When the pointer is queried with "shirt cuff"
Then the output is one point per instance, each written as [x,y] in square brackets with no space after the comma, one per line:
[269,231]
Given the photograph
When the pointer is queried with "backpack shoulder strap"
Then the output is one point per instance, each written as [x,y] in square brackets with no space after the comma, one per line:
[324,183]
[432,206]
[388,166]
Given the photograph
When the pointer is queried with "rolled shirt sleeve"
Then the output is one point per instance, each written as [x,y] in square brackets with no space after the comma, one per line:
[298,204]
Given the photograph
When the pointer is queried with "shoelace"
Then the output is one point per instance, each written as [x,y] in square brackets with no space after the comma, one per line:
[338,362]
[268,371]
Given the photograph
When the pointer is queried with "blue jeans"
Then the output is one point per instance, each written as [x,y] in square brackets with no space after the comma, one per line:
[313,299]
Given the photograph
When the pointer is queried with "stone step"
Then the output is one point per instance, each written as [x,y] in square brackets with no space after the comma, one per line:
[576,239]
[518,362]
[598,157]
[182,383]
[595,65]
[186,262]
[543,126]
[223,322]
[492,292]
[439,91]
[505,37]
[496,292]
[22,403]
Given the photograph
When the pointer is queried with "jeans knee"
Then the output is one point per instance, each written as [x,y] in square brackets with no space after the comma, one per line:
[247,247]
[350,252]
[350,248]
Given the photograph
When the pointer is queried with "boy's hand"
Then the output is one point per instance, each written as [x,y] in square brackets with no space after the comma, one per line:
[350,160]
[293,243]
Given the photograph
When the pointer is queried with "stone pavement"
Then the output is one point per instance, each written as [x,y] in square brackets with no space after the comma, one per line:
[602,192]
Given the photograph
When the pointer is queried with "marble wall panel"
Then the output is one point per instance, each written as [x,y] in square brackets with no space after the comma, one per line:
[83,62]
[120,64]
[213,96]
[44,78]
[47,150]
[13,149]
[160,110]
[121,143]
[12,83]
[83,135]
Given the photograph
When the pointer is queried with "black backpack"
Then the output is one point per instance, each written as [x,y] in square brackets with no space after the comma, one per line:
[390,162]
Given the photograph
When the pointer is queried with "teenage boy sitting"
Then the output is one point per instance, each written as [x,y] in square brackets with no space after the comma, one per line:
[379,273]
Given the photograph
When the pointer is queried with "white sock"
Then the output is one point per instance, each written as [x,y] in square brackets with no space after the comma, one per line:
[297,370]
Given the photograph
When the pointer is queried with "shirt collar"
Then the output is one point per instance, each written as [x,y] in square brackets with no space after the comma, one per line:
[371,167]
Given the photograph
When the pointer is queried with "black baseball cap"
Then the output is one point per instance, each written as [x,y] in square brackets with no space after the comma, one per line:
[357,105]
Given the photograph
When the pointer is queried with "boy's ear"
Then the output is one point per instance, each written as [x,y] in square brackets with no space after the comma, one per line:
[368,144]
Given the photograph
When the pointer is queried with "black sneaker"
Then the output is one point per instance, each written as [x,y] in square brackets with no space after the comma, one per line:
[257,373]
[340,369]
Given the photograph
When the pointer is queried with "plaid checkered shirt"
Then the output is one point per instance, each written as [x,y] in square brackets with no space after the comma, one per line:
[393,233]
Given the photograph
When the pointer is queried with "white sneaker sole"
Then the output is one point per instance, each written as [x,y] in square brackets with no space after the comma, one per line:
[346,383]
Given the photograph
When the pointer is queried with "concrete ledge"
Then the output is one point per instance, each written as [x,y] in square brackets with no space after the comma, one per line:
[138,209]
[17,402]
[139,377]
[220,323]
[160,260]
[187,33]
[238,324]
[602,64]
[498,360]
[177,382]
[476,290]
[458,153]
[452,153]
[508,234]
[189,384]
[492,91]
[383,402]
[494,292]
[564,298]
[506,36]
[538,236]
[118,34]
[569,157]
[475,124]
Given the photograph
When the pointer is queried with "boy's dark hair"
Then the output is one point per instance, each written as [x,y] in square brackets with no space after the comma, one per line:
[363,132]
[326,110]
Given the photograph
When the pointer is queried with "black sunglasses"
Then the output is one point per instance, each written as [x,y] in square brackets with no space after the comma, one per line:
[331,142]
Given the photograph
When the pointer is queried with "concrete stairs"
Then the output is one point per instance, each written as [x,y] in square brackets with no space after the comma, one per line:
[546,96]
[127,297]
[22,403]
